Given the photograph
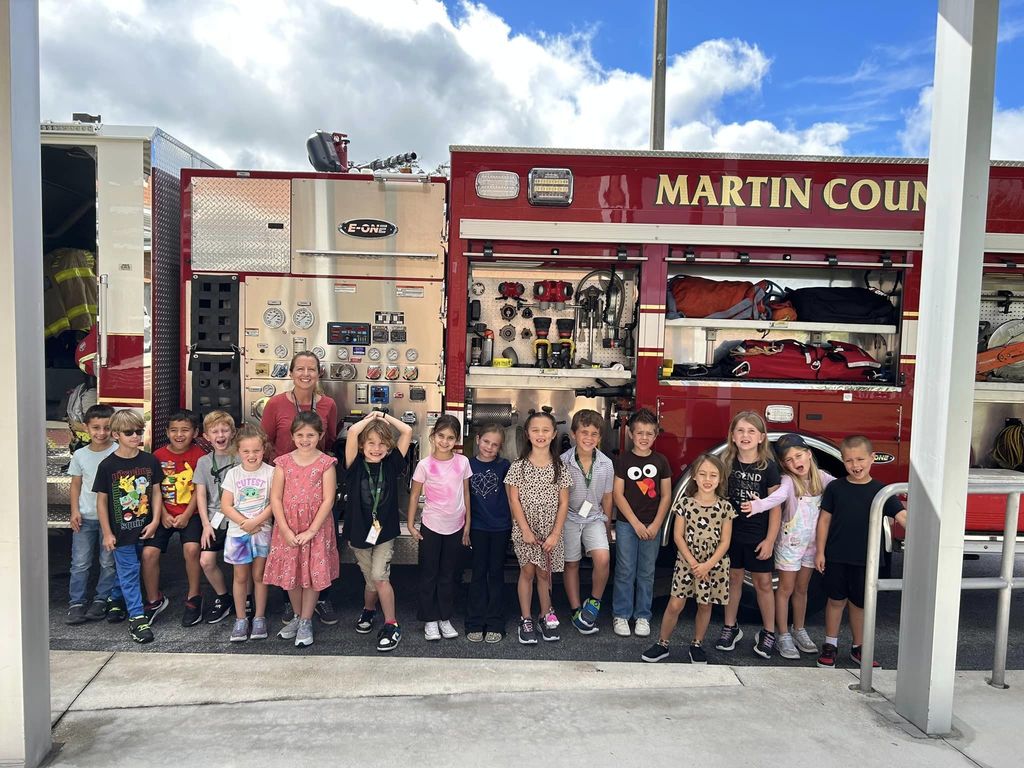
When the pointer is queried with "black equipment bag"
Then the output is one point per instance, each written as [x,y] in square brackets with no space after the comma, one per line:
[842,305]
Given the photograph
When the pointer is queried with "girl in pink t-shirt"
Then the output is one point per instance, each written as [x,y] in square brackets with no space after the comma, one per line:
[443,478]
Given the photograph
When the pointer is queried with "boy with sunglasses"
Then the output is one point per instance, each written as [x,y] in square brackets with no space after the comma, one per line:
[219,432]
[129,508]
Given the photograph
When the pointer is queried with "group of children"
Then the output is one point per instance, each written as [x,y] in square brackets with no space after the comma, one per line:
[273,525]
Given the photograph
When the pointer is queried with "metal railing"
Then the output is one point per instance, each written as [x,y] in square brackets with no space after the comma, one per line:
[983,482]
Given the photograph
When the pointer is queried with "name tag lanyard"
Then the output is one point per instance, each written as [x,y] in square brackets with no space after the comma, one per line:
[376,488]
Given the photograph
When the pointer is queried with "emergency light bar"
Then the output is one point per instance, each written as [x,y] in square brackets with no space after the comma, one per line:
[497,185]
[550,186]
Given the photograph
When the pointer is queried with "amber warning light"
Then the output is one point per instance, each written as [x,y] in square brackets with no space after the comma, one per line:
[550,186]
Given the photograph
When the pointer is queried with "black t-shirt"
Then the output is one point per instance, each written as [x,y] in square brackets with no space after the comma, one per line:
[746,483]
[129,485]
[850,507]
[642,476]
[359,504]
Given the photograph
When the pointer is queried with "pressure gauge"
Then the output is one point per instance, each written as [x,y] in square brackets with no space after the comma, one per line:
[392,354]
[320,352]
[412,355]
[281,351]
[269,390]
[373,354]
[343,353]
[348,372]
[303,318]
[274,317]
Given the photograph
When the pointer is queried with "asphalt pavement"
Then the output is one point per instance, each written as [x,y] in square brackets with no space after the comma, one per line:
[977,621]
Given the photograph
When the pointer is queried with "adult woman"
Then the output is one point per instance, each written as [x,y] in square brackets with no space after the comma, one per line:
[280,410]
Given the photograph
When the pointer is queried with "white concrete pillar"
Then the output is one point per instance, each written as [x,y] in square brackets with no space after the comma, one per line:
[958,170]
[24,629]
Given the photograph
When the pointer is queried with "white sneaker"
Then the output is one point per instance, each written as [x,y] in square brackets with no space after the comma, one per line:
[620,627]
[431,631]
[448,632]
[803,641]
[643,628]
[787,649]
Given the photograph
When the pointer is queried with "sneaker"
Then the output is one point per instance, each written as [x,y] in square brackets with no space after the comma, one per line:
[787,648]
[193,611]
[729,637]
[494,637]
[856,657]
[259,628]
[475,637]
[656,653]
[590,610]
[239,632]
[97,610]
[697,654]
[642,628]
[76,615]
[803,641]
[365,622]
[621,627]
[827,658]
[764,643]
[580,623]
[287,614]
[389,637]
[219,608]
[549,627]
[431,631]
[448,632]
[289,630]
[116,611]
[304,633]
[139,629]
[325,612]
[527,634]
[156,607]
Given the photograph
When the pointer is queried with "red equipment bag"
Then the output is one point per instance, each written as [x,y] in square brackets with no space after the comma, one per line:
[841,361]
[792,360]
[691,296]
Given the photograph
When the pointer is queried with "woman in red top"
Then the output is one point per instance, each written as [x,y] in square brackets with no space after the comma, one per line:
[280,410]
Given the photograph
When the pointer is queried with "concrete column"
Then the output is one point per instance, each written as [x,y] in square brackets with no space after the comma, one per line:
[24,630]
[965,48]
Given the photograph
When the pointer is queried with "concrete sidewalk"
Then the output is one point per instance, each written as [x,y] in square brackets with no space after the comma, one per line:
[219,710]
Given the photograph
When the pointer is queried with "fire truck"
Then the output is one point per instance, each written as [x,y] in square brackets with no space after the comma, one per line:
[539,279]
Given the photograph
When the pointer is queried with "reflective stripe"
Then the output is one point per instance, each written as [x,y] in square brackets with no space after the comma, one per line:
[67,274]
[56,327]
[81,309]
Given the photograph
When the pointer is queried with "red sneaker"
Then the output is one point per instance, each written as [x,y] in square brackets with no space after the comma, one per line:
[828,656]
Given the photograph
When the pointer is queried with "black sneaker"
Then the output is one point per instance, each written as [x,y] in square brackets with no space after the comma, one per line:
[156,607]
[365,622]
[827,659]
[97,610]
[219,608]
[548,631]
[76,615]
[765,643]
[287,614]
[325,612]
[855,657]
[655,653]
[116,612]
[138,628]
[193,613]
[729,637]
[697,654]
[388,638]
[527,634]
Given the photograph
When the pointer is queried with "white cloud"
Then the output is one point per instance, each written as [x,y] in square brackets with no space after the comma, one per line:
[1007,130]
[245,81]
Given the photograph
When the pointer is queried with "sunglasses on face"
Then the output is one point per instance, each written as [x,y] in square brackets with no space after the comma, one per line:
[137,432]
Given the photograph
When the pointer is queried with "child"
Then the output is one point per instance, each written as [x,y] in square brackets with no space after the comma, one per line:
[538,494]
[129,508]
[443,478]
[219,431]
[178,459]
[842,543]
[752,475]
[589,522]
[304,550]
[701,531]
[801,489]
[643,492]
[488,536]
[374,462]
[245,502]
[86,535]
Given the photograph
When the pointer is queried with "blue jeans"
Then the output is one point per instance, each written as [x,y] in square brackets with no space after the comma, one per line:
[634,570]
[127,561]
[84,544]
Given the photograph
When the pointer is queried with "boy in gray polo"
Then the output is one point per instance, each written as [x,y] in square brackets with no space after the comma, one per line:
[589,521]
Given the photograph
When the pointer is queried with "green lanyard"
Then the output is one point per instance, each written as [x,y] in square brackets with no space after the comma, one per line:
[217,472]
[376,487]
[589,475]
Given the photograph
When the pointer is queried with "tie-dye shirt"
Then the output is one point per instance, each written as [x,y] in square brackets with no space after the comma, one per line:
[444,505]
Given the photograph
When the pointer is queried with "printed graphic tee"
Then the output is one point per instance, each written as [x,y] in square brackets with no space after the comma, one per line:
[177,486]
[642,476]
[487,495]
[250,492]
[746,483]
[127,483]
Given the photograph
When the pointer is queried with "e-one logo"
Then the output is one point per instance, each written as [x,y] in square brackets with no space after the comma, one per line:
[367,228]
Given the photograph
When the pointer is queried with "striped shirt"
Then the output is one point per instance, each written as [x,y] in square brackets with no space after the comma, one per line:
[603,475]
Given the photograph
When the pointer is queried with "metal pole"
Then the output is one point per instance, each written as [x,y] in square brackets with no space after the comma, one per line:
[1006,593]
[658,76]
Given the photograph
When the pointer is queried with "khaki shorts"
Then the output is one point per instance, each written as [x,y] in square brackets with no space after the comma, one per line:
[585,537]
[375,563]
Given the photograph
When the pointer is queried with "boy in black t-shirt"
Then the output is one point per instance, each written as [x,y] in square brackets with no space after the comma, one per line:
[842,544]
[129,508]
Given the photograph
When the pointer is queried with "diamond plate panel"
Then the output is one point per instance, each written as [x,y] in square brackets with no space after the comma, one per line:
[241,225]
[166,270]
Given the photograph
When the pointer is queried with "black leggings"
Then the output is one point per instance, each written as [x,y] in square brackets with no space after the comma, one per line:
[439,558]
[486,611]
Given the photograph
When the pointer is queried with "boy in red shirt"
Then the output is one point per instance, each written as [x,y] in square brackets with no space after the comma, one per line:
[178,460]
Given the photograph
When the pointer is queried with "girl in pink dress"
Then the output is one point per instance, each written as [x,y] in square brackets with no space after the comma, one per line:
[303,551]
